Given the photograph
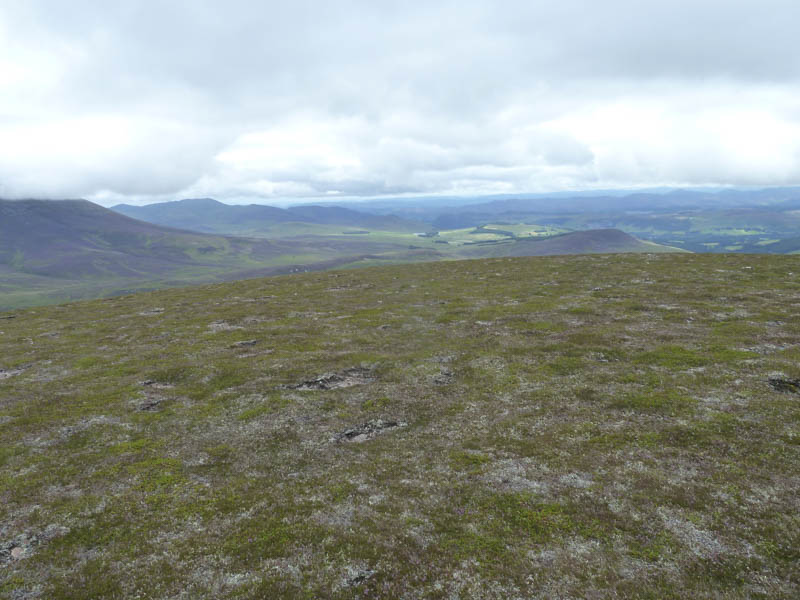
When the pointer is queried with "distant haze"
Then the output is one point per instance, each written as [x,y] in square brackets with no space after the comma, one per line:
[287,101]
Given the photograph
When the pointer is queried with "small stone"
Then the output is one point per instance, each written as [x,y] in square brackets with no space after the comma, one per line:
[244,343]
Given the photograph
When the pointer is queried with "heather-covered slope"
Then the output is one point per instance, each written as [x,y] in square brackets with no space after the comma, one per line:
[585,426]
[54,251]
[76,238]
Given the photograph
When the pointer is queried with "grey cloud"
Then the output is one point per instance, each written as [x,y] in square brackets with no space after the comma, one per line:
[407,97]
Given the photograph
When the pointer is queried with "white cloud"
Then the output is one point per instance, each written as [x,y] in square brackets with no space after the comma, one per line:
[144,101]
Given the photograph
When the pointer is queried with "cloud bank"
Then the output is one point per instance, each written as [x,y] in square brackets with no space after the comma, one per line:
[144,101]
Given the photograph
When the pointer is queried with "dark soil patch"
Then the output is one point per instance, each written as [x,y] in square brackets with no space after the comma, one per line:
[790,386]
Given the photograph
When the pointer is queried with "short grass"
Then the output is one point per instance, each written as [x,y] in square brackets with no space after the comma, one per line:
[567,427]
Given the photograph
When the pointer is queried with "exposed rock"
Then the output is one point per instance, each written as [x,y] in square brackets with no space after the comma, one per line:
[21,547]
[367,430]
[333,381]
[216,326]
[8,316]
[6,373]
[156,385]
[791,386]
[151,311]
[244,343]
[150,404]
[360,577]
[444,377]
[24,545]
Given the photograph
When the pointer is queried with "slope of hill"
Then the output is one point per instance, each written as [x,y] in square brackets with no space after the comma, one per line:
[586,427]
[594,241]
[53,251]
[75,238]
[207,215]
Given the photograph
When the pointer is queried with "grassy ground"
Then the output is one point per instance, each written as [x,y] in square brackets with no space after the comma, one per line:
[594,426]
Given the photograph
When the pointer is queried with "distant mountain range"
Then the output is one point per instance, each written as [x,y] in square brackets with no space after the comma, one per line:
[210,216]
[71,249]
[718,220]
[659,200]
[53,251]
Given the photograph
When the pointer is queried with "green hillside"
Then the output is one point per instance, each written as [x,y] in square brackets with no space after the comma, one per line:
[590,426]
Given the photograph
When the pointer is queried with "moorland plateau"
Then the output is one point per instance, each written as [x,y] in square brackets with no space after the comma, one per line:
[584,426]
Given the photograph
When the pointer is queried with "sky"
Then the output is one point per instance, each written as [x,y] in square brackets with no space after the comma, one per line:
[276,102]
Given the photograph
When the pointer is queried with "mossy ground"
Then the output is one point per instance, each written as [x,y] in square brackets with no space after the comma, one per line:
[595,426]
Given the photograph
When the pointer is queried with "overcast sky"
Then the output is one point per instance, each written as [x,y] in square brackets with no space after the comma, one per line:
[265,101]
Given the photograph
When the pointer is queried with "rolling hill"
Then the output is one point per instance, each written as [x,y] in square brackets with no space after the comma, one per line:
[208,215]
[76,238]
[593,241]
[54,251]
[64,250]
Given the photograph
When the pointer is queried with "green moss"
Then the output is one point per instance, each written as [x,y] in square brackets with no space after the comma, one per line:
[470,461]
[376,404]
[668,402]
[672,357]
[95,579]
[565,365]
